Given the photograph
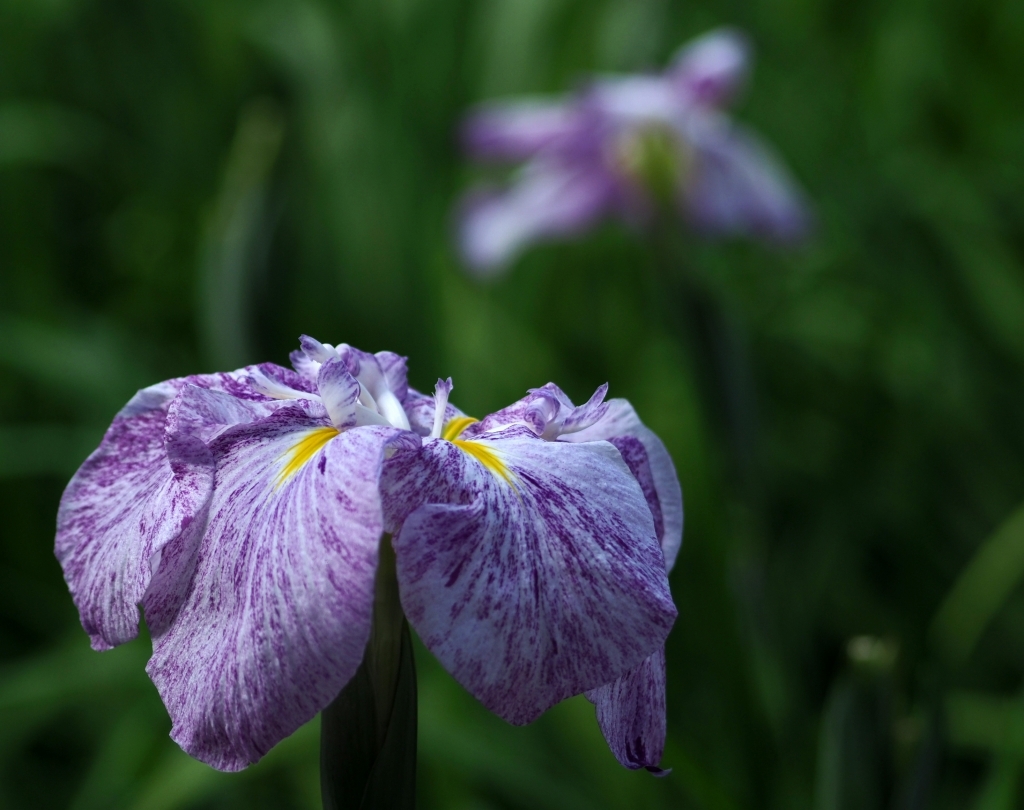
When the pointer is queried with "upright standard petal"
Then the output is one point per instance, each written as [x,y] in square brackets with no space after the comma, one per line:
[549,200]
[712,68]
[278,610]
[532,571]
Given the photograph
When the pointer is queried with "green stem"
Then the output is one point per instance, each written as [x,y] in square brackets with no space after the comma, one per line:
[368,734]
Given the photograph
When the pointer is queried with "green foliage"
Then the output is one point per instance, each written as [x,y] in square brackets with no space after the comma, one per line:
[188,185]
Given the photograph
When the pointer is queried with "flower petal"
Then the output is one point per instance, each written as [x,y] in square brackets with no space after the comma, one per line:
[712,68]
[134,496]
[124,504]
[631,713]
[520,129]
[738,185]
[532,572]
[549,200]
[339,392]
[649,461]
[278,611]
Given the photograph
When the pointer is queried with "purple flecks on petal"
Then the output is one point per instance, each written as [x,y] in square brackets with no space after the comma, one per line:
[420,409]
[304,367]
[139,493]
[315,350]
[395,371]
[277,614]
[339,392]
[121,508]
[533,587]
[631,714]
[621,421]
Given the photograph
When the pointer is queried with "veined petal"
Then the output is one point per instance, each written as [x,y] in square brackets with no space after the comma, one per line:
[739,186]
[712,68]
[339,392]
[549,200]
[532,571]
[631,713]
[278,610]
[123,505]
[517,130]
[649,461]
[395,371]
[136,495]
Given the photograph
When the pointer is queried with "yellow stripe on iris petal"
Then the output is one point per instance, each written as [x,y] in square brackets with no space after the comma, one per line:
[303,450]
[454,429]
[486,456]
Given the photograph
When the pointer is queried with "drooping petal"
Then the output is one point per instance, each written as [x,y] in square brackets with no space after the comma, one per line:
[135,495]
[548,201]
[518,130]
[532,571]
[738,186]
[123,505]
[712,68]
[277,614]
[649,461]
[631,714]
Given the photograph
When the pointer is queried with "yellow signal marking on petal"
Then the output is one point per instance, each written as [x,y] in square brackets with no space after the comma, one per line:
[303,450]
[486,456]
[454,429]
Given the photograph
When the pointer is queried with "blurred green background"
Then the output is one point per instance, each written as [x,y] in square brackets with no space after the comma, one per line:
[188,185]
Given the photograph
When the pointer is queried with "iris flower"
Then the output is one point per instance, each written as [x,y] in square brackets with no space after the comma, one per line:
[621,147]
[244,512]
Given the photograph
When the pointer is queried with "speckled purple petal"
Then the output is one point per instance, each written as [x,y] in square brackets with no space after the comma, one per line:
[130,499]
[519,129]
[738,186]
[631,713]
[124,504]
[278,610]
[549,200]
[339,392]
[420,410]
[648,459]
[712,68]
[395,368]
[532,584]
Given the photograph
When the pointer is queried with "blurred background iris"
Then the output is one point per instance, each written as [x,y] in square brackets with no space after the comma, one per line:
[187,186]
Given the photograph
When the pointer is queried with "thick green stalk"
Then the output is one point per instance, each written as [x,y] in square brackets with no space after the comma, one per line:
[368,734]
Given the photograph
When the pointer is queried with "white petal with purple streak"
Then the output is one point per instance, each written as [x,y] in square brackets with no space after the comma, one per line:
[532,572]
[631,713]
[278,611]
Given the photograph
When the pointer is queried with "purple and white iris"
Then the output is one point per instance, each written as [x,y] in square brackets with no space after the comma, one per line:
[244,511]
[622,146]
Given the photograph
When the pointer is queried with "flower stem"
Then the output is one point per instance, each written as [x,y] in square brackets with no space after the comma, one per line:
[368,734]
